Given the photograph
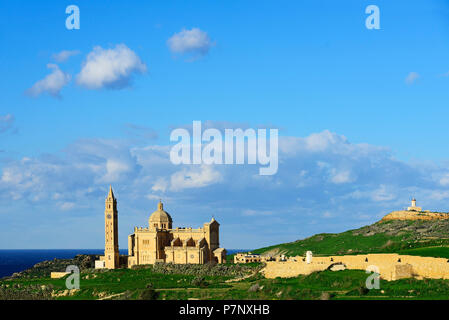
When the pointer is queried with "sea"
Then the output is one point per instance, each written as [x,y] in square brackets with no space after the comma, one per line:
[18,260]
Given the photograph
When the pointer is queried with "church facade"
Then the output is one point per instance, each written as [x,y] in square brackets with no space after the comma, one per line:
[160,242]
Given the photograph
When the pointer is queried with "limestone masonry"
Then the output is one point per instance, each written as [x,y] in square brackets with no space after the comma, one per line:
[159,242]
[248,257]
[390,266]
[415,213]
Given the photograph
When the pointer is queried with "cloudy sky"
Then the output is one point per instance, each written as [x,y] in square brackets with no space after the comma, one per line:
[362,115]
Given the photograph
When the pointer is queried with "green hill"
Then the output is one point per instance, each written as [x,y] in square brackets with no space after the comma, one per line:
[417,237]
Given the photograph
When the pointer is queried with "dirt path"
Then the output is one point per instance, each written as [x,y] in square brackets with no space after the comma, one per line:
[111,296]
[242,278]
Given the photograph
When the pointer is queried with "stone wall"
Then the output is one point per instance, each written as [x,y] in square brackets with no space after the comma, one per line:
[58,275]
[391,266]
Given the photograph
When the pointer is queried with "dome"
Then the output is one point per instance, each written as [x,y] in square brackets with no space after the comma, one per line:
[160,215]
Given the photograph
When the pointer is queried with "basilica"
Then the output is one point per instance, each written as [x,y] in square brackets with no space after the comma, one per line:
[159,242]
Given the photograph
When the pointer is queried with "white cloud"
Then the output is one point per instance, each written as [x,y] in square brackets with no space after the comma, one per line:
[66,206]
[108,160]
[444,180]
[86,165]
[439,195]
[322,178]
[110,68]
[343,176]
[64,55]
[328,142]
[382,194]
[114,169]
[195,177]
[411,77]
[321,141]
[51,84]
[328,214]
[192,41]
[160,185]
[378,194]
[141,132]
[252,213]
[6,122]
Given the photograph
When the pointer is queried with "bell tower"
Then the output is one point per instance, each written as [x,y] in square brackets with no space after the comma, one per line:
[111,253]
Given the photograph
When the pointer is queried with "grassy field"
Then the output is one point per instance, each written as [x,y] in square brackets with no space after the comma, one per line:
[230,281]
[437,252]
[146,284]
[131,283]
[329,244]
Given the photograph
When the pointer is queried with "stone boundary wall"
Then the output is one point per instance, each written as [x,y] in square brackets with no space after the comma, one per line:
[391,266]
[58,275]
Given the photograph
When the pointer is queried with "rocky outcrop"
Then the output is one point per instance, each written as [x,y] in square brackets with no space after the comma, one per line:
[44,268]
[415,215]
[16,291]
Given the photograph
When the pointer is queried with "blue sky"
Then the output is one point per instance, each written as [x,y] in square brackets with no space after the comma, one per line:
[357,138]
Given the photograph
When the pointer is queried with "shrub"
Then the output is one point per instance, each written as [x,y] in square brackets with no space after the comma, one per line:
[325,296]
[148,294]
[254,288]
[362,290]
[199,281]
[208,269]
[149,286]
[27,293]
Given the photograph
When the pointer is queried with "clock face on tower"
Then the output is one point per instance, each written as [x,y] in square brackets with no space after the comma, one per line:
[109,216]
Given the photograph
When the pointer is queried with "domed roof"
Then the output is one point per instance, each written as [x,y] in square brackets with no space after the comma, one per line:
[160,215]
